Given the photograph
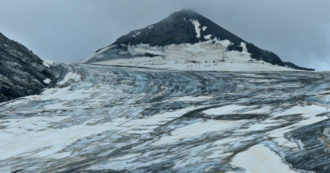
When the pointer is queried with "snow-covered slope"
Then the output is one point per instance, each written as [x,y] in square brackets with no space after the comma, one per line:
[185,37]
[212,55]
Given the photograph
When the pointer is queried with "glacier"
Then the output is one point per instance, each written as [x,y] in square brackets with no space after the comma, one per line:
[101,118]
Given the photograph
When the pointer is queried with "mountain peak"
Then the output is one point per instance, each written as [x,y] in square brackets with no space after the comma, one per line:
[185,13]
[183,27]
[188,26]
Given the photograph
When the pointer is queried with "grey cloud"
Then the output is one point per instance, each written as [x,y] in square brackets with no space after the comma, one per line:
[62,30]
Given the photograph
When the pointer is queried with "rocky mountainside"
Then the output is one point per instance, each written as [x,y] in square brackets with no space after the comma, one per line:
[21,71]
[183,27]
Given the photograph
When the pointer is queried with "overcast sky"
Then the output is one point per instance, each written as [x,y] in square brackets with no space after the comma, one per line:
[70,30]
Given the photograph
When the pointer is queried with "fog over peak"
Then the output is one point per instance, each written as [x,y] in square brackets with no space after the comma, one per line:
[68,31]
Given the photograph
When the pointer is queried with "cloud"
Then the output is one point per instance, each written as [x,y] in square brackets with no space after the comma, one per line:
[61,30]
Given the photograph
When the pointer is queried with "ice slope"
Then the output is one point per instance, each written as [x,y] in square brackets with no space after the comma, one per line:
[119,119]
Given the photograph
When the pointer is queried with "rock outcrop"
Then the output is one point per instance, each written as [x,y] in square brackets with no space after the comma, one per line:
[21,71]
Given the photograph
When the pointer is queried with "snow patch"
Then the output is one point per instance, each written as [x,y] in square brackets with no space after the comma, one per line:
[191,98]
[307,111]
[47,63]
[148,124]
[204,28]
[70,76]
[196,129]
[137,34]
[197,27]
[64,94]
[208,37]
[259,158]
[126,157]
[47,81]
[225,43]
[229,109]
[243,45]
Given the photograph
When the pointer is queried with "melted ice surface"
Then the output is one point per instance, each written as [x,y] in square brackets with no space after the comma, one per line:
[105,118]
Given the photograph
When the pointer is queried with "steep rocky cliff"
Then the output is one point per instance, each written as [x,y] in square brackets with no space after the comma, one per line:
[21,71]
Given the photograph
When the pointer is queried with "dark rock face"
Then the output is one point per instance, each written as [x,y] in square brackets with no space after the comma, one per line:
[178,28]
[291,65]
[21,72]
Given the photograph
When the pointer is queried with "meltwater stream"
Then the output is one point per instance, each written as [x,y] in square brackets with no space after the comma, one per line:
[117,119]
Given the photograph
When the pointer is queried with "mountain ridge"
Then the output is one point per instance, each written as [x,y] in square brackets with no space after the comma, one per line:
[21,71]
